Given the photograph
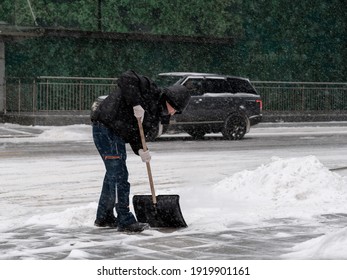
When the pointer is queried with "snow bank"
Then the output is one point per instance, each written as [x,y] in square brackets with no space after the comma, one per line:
[44,134]
[329,246]
[65,133]
[294,187]
[289,187]
[71,217]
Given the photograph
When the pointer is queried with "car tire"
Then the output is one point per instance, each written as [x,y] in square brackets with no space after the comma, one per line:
[235,127]
[196,133]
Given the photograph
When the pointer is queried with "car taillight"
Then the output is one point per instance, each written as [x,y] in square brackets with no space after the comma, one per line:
[260,104]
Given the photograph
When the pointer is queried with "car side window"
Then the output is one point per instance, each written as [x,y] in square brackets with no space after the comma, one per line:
[194,86]
[216,86]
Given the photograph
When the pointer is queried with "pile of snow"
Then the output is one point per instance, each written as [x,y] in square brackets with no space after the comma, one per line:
[288,187]
[71,217]
[329,246]
[65,133]
[294,187]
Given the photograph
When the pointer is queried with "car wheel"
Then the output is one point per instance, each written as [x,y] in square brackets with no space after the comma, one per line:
[235,127]
[196,133]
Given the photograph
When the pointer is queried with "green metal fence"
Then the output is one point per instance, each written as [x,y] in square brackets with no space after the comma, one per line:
[49,94]
[302,96]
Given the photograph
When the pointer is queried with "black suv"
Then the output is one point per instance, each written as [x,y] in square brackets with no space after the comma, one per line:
[219,103]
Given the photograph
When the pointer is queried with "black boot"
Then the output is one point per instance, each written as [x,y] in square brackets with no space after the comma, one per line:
[106,223]
[135,227]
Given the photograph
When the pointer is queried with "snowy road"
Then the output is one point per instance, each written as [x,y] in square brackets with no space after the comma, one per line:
[269,196]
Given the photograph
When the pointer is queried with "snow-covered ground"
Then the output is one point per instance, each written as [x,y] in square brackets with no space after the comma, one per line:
[259,203]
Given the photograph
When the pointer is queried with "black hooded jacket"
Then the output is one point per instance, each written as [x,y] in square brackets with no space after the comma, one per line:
[116,111]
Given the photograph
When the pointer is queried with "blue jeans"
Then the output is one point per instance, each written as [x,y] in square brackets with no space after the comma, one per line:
[116,188]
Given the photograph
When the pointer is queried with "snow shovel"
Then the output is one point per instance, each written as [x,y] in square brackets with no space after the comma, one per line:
[157,211]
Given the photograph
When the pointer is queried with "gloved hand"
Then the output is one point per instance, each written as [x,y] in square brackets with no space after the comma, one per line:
[139,112]
[145,155]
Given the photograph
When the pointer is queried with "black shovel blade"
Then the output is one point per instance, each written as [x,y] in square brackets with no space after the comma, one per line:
[166,213]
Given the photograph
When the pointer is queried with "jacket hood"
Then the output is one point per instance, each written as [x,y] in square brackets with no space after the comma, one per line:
[178,97]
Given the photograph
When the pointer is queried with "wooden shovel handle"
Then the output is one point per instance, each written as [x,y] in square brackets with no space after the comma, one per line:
[149,171]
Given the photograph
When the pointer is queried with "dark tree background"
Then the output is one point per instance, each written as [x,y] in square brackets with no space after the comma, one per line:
[273,40]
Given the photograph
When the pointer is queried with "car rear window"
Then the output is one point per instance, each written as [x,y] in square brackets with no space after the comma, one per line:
[239,85]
